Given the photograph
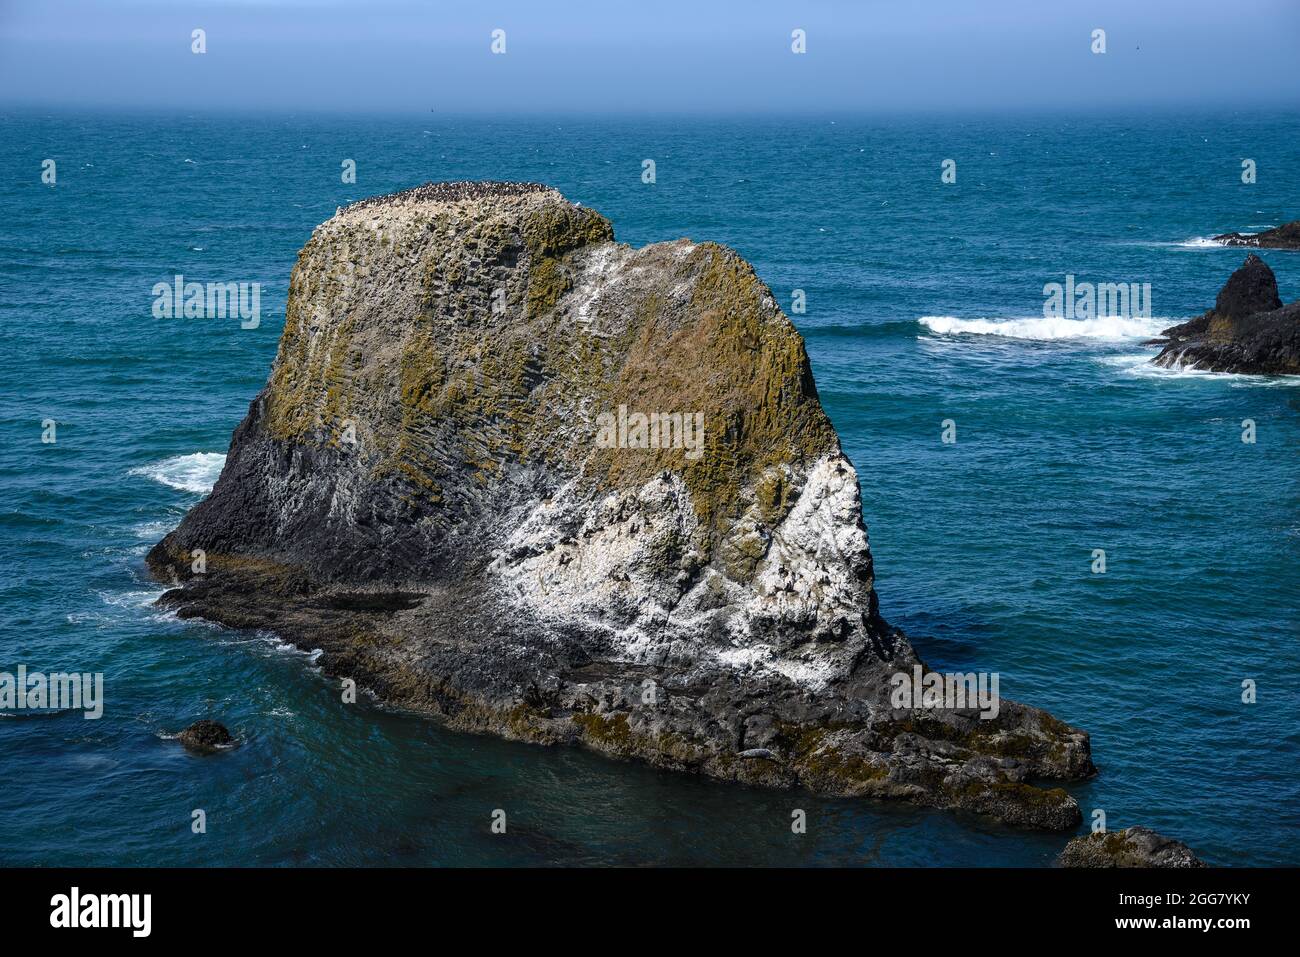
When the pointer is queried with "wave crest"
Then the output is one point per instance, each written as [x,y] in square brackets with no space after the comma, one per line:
[1047,329]
[196,473]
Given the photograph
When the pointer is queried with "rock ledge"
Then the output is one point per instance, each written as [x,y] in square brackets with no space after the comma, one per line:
[1131,847]
[1286,236]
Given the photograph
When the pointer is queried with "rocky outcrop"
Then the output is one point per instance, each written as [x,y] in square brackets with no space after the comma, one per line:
[1286,236]
[205,735]
[533,482]
[1131,847]
[1248,331]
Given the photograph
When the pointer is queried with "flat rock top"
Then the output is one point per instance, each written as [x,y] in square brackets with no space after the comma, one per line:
[448,194]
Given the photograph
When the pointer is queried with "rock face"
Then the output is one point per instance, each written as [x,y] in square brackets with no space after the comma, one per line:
[205,735]
[448,487]
[1286,236]
[1132,847]
[1248,330]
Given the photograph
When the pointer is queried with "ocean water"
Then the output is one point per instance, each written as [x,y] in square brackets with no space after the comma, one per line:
[924,303]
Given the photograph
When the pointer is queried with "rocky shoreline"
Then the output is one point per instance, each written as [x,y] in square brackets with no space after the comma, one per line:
[1131,847]
[445,487]
[1286,236]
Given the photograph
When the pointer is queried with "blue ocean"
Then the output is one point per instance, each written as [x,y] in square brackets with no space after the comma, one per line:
[924,303]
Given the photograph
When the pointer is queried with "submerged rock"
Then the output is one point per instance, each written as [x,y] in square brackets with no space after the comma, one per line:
[1131,847]
[537,483]
[1248,330]
[205,735]
[1286,236]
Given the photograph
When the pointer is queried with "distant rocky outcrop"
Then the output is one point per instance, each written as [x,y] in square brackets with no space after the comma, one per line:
[1286,236]
[533,482]
[1248,331]
[1131,847]
[205,735]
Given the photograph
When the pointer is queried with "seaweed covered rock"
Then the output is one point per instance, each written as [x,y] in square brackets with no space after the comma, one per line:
[205,735]
[533,482]
[1131,847]
[1248,331]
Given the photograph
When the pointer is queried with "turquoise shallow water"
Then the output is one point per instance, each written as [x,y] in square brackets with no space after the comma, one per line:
[1066,443]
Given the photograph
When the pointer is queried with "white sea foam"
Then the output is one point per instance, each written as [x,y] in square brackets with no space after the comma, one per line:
[154,530]
[131,599]
[1200,242]
[190,473]
[1047,329]
[92,619]
[1140,366]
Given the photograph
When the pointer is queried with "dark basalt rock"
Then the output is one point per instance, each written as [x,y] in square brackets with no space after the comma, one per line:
[421,492]
[1131,847]
[1248,331]
[1286,236]
[205,735]
[1251,289]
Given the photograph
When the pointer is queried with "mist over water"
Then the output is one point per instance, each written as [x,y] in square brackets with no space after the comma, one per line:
[924,304]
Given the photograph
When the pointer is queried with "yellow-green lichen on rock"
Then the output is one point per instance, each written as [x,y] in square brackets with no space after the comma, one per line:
[426,491]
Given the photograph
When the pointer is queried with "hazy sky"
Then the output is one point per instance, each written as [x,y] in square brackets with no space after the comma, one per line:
[575,56]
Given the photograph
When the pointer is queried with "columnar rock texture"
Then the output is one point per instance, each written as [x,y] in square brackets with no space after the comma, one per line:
[1286,236]
[420,492]
[1248,331]
[1131,847]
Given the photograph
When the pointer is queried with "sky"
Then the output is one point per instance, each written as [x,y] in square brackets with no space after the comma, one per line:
[647,56]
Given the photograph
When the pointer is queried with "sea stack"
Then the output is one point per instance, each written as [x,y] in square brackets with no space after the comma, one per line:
[1248,331]
[534,482]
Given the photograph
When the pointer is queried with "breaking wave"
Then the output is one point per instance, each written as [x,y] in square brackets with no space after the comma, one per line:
[190,473]
[1048,329]
[1140,365]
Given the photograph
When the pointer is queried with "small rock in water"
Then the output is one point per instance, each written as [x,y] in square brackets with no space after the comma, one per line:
[1131,847]
[205,735]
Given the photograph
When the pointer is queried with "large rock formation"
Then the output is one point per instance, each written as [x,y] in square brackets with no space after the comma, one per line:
[448,488]
[1286,236]
[1131,847]
[1248,330]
